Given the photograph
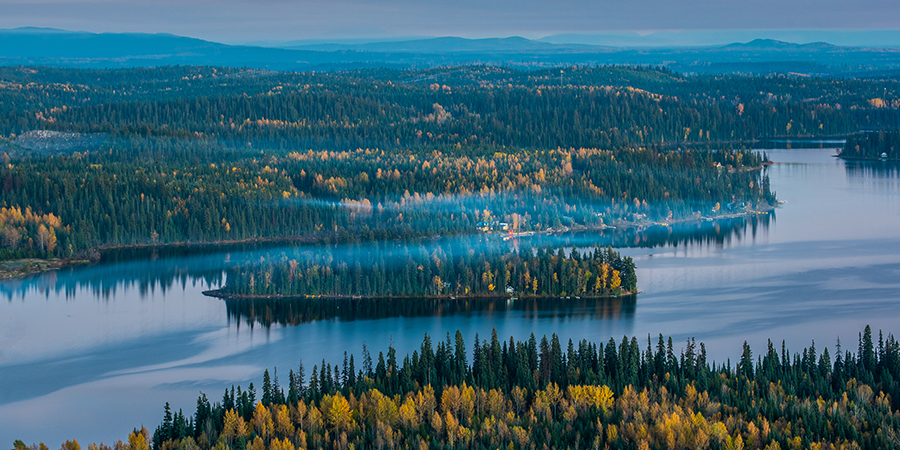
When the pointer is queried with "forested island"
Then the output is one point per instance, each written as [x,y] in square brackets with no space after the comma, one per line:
[438,272]
[549,394]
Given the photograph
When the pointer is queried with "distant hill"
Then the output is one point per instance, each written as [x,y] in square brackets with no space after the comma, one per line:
[772,44]
[42,46]
[711,38]
[514,44]
[52,43]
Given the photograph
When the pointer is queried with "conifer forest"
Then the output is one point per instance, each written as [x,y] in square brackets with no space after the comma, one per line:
[398,192]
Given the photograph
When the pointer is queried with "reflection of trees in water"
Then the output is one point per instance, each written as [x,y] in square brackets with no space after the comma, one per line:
[714,233]
[790,144]
[148,271]
[291,312]
[872,169]
[718,232]
[105,280]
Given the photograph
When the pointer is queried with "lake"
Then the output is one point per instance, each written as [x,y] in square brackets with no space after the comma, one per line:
[92,352]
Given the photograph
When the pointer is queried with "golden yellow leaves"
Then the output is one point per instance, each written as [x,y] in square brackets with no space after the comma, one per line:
[615,282]
[283,424]
[281,444]
[459,401]
[408,415]
[262,421]
[234,426]
[138,441]
[14,216]
[337,411]
[586,397]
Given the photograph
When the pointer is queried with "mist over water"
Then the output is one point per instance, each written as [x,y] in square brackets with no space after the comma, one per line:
[97,350]
[147,270]
[526,208]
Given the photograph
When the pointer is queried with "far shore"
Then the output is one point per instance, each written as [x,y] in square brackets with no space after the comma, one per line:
[644,224]
[30,266]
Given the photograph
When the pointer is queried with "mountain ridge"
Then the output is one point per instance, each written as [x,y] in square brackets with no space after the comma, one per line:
[54,47]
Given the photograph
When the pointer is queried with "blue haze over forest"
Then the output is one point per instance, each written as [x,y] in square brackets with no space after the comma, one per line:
[687,52]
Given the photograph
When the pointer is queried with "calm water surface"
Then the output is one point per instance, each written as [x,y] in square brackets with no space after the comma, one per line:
[92,352]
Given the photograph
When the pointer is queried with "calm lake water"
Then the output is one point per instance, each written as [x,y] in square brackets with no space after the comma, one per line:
[92,352]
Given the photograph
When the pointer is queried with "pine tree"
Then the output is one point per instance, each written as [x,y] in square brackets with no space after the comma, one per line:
[267,397]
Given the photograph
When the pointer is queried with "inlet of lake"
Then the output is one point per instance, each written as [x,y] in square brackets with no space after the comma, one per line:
[92,352]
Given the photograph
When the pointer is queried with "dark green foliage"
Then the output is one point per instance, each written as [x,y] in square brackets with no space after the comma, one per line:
[435,271]
[774,392]
[872,145]
[598,107]
[200,154]
[161,191]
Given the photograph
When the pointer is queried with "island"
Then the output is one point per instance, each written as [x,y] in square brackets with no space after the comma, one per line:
[438,272]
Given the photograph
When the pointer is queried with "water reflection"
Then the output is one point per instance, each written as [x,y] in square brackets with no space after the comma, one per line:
[147,270]
[828,267]
[293,312]
[718,233]
[791,144]
[105,280]
[872,169]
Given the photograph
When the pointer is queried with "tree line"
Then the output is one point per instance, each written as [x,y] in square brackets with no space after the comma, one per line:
[206,154]
[441,271]
[595,107]
[531,394]
[344,114]
[155,191]
[882,144]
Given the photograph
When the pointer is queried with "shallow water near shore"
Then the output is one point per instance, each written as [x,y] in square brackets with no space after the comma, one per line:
[92,352]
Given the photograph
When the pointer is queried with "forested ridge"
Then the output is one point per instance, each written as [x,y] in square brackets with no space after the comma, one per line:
[161,191]
[594,107]
[550,394]
[210,154]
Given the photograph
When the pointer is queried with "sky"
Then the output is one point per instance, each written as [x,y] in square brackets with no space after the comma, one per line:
[238,21]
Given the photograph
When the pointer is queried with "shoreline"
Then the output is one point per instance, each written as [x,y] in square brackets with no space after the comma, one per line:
[763,209]
[219,243]
[19,268]
[317,239]
[861,158]
[789,139]
[224,295]
[623,225]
